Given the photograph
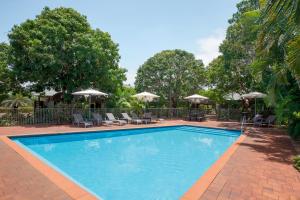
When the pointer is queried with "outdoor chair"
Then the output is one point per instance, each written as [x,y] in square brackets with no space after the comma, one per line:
[131,120]
[192,116]
[152,118]
[145,121]
[112,118]
[257,120]
[269,121]
[98,120]
[200,116]
[78,120]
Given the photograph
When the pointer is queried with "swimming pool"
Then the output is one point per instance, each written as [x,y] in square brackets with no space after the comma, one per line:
[147,163]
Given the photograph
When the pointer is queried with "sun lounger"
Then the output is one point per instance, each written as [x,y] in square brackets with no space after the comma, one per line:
[112,118]
[145,121]
[98,120]
[257,120]
[269,121]
[78,120]
[150,117]
[131,120]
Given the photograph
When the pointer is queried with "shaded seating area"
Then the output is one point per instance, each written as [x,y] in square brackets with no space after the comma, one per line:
[195,115]
[259,120]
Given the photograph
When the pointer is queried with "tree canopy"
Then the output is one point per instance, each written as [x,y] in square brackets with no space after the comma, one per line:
[238,52]
[171,74]
[8,83]
[261,52]
[58,49]
[4,71]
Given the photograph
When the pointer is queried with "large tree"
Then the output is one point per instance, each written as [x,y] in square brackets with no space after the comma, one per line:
[58,49]
[7,82]
[238,48]
[261,52]
[172,74]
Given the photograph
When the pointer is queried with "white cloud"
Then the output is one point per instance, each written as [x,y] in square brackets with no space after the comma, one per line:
[208,47]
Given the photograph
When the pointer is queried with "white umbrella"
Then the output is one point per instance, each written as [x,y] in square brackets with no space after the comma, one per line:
[195,98]
[232,97]
[89,93]
[145,96]
[254,95]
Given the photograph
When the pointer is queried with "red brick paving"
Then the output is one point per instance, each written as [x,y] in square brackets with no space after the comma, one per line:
[260,168]
[20,181]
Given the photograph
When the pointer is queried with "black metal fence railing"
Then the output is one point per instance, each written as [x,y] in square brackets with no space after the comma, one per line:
[229,114]
[63,115]
[30,116]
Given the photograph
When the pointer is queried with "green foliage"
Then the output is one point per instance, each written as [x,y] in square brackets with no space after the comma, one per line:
[278,40]
[277,60]
[7,83]
[171,74]
[243,7]
[232,72]
[16,101]
[4,77]
[261,52]
[293,58]
[213,94]
[297,162]
[124,98]
[59,50]
[294,126]
[238,48]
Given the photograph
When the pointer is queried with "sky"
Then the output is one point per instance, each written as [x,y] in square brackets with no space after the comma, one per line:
[142,28]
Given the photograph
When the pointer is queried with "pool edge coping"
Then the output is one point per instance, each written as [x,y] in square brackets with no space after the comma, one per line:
[118,129]
[75,191]
[72,189]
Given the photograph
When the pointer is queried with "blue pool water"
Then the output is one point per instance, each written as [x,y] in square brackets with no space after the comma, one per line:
[150,163]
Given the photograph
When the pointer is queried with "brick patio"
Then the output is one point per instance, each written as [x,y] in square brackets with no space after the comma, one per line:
[260,168]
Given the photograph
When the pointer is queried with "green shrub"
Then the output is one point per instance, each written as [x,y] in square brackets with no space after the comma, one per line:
[291,129]
[297,162]
[296,131]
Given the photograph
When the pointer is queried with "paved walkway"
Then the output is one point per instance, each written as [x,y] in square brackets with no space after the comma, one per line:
[259,169]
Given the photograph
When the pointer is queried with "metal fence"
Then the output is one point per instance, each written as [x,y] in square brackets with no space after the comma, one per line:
[63,115]
[30,116]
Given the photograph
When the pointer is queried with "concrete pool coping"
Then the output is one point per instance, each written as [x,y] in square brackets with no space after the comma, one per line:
[77,192]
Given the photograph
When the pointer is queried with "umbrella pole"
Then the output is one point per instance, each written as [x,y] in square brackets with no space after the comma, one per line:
[255,106]
[90,102]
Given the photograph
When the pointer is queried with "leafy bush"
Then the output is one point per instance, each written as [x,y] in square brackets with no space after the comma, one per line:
[296,132]
[5,122]
[297,162]
[294,126]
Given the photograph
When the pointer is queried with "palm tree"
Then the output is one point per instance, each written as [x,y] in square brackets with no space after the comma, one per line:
[280,35]
[16,101]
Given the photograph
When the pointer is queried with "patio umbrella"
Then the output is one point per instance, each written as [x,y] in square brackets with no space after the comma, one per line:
[145,96]
[232,97]
[196,98]
[89,93]
[254,95]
